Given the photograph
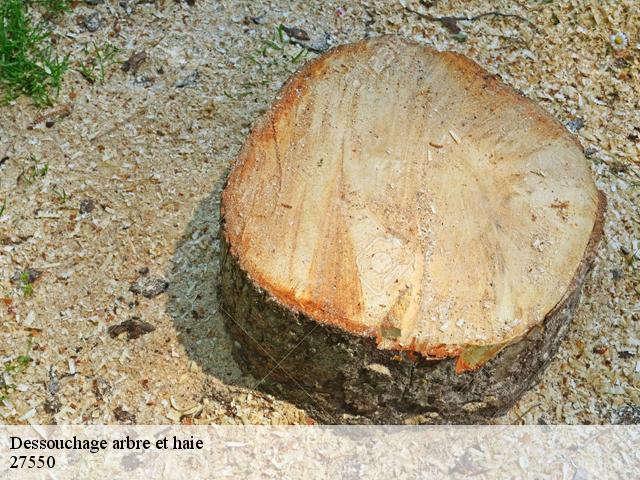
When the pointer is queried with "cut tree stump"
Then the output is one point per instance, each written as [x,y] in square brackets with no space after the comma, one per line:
[404,238]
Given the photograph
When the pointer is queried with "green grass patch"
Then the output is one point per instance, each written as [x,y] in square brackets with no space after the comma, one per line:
[35,171]
[28,63]
[25,284]
[13,368]
[18,365]
[99,58]
[52,8]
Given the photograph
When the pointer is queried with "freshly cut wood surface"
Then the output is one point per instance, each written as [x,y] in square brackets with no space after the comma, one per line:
[405,194]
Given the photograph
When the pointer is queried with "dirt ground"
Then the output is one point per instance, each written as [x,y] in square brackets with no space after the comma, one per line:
[123,224]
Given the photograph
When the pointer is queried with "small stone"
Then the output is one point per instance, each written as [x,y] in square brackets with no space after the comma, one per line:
[54,384]
[100,388]
[190,80]
[134,328]
[93,22]
[590,151]
[297,33]
[123,416]
[134,61]
[575,125]
[150,287]
[127,6]
[143,80]
[51,405]
[86,206]
[626,415]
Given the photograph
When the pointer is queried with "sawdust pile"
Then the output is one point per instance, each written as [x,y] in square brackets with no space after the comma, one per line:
[108,250]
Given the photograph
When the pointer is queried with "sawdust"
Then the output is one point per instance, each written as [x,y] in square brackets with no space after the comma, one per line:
[136,164]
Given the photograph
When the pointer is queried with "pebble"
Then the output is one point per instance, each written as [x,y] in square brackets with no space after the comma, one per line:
[576,125]
[190,80]
[134,61]
[51,405]
[123,415]
[93,22]
[86,206]
[150,287]
[297,33]
[127,6]
[54,384]
[134,327]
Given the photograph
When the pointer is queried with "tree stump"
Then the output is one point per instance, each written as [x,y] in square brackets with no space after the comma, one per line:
[404,238]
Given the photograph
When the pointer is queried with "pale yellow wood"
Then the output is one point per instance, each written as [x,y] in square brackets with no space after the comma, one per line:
[406,194]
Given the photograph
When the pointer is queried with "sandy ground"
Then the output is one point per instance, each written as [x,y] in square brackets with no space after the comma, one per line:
[135,167]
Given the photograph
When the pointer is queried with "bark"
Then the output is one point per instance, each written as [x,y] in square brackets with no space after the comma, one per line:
[340,378]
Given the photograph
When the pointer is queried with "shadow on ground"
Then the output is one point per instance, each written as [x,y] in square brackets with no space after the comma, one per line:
[193,294]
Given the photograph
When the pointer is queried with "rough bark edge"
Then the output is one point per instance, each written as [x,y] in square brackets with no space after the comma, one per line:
[342,378]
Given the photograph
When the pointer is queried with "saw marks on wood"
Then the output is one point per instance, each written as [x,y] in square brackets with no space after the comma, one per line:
[406,194]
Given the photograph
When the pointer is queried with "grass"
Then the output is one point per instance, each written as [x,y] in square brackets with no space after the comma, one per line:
[18,365]
[28,64]
[14,367]
[460,37]
[278,42]
[25,284]
[36,170]
[99,59]
[61,195]
[274,55]
[52,8]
